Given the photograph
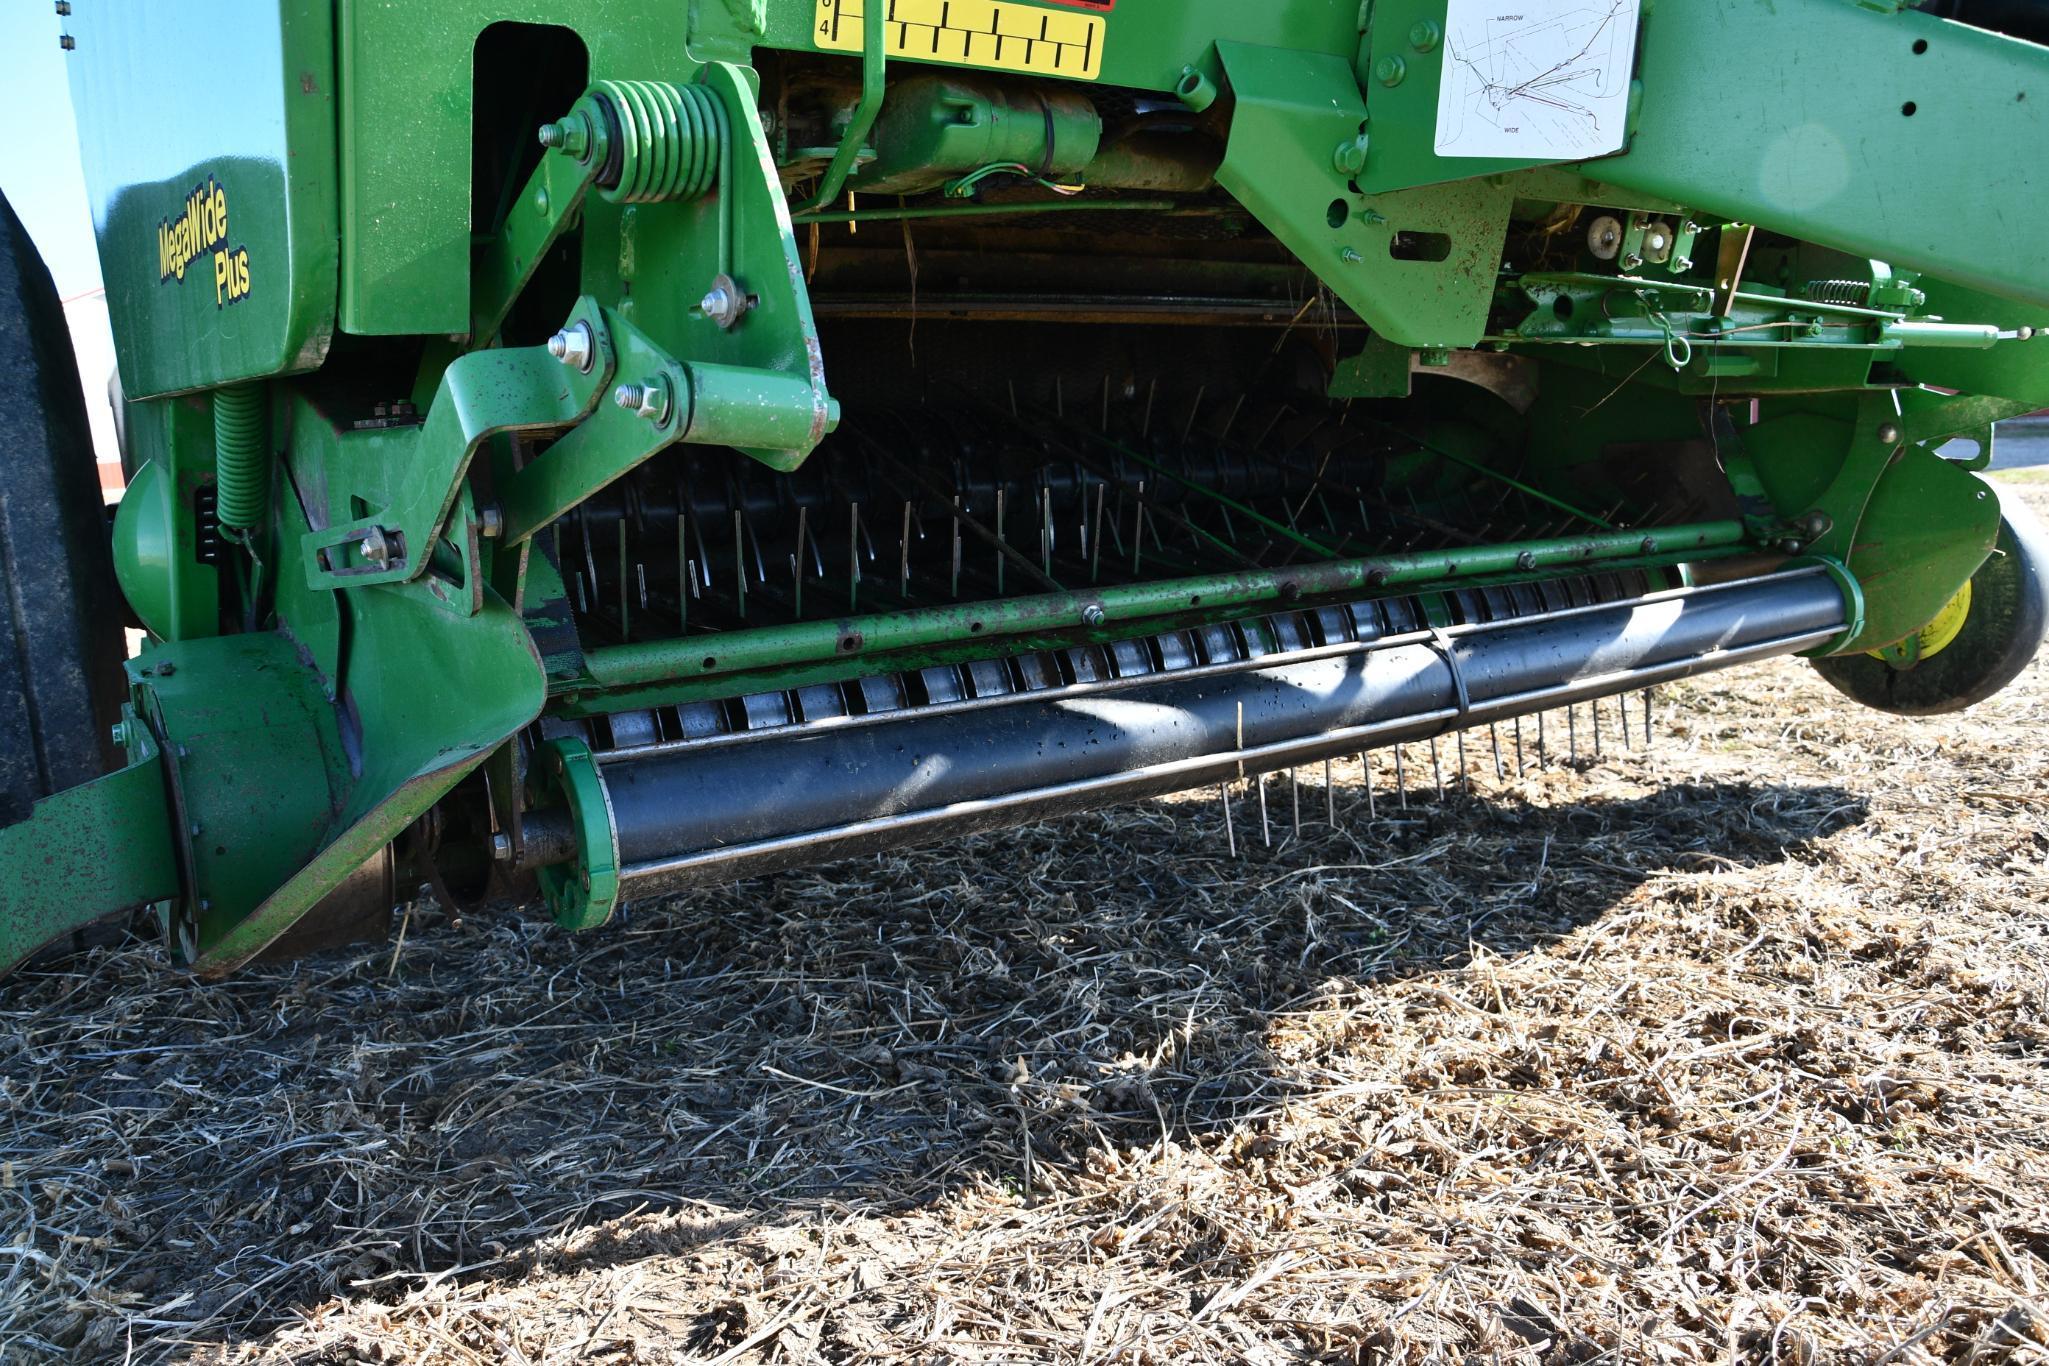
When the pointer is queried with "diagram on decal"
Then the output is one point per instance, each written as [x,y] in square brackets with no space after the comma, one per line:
[1539,79]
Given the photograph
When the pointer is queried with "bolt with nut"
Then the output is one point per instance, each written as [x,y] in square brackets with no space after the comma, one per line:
[575,345]
[648,399]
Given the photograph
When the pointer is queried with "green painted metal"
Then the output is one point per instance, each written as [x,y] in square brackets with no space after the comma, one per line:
[215,210]
[1910,526]
[583,893]
[1020,209]
[628,665]
[241,458]
[255,766]
[415,740]
[157,554]
[608,443]
[87,852]
[146,559]
[388,648]
[874,66]
[545,209]
[1849,128]
[2017,369]
[671,255]
[408,93]
[942,127]
[1418,265]
[411,495]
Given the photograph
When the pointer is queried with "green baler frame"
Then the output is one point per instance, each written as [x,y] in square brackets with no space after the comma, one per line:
[343,165]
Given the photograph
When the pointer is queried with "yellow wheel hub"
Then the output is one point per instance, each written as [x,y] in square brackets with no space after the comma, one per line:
[1936,636]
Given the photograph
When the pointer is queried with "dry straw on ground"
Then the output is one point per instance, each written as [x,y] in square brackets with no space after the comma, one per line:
[1734,1051]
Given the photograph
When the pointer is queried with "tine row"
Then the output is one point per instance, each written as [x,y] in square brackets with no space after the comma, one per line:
[1522,755]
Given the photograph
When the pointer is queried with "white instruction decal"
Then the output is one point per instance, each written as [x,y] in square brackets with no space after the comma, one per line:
[1542,80]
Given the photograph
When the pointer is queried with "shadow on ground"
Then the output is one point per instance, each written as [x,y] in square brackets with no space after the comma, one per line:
[877,1033]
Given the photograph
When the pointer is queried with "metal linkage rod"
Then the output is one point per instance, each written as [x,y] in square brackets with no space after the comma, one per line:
[643,663]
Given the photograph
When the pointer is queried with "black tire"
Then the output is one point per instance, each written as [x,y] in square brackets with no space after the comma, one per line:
[60,614]
[2008,615]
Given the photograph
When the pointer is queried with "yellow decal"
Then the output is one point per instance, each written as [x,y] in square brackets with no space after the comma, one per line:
[1000,34]
[1937,636]
[201,228]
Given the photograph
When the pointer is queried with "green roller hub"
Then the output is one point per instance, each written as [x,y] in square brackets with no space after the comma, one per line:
[582,893]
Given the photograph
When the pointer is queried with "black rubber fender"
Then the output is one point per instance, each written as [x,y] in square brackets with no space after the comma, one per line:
[60,611]
[2008,616]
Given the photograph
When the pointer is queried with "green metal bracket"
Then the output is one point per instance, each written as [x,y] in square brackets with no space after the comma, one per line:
[416,742]
[611,441]
[481,394]
[87,852]
[582,893]
[1814,118]
[874,59]
[1418,265]
[1380,370]
[766,412]
[716,284]
[1929,416]
[545,209]
[1910,526]
[254,769]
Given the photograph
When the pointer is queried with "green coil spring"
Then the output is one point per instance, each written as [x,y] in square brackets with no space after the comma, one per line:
[666,140]
[1838,291]
[241,458]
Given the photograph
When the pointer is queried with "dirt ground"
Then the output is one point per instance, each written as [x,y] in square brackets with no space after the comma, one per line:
[1731,1050]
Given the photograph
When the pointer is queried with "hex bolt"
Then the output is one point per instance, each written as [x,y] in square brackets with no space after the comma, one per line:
[570,135]
[724,302]
[1350,157]
[574,345]
[649,398]
[1092,614]
[376,546]
[1390,69]
[1889,433]
[1526,560]
[1631,262]
[119,734]
[501,847]
[490,521]
[1350,256]
[1424,35]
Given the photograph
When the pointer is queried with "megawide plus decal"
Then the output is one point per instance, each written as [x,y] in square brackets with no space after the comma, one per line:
[201,230]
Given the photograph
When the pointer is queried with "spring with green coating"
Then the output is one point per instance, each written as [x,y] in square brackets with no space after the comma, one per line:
[241,459]
[666,140]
